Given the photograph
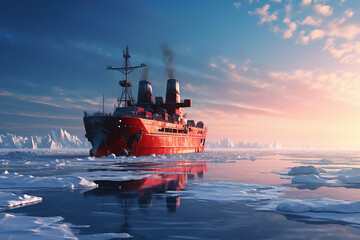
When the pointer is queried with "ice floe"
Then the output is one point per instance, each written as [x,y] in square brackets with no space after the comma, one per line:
[323,209]
[14,226]
[318,176]
[12,200]
[308,178]
[15,180]
[233,192]
[305,170]
[105,236]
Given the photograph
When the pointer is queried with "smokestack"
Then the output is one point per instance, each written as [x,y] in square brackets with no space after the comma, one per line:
[172,91]
[145,92]
[168,58]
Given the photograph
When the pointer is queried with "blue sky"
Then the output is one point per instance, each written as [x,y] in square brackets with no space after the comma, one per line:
[255,70]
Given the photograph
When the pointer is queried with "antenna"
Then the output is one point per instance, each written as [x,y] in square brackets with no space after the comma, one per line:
[103,103]
[126,95]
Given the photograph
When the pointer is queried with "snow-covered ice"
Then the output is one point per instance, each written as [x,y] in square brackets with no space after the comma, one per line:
[308,178]
[105,236]
[318,176]
[323,209]
[305,170]
[19,227]
[15,180]
[56,139]
[233,192]
[12,200]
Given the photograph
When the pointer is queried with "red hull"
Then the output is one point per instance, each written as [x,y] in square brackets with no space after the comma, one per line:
[136,136]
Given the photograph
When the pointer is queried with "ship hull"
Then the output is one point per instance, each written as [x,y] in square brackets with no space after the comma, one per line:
[132,136]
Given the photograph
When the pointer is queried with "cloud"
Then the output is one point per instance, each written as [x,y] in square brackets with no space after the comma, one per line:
[213,65]
[45,103]
[339,32]
[309,20]
[305,2]
[317,34]
[348,52]
[288,33]
[190,87]
[303,39]
[91,102]
[349,13]
[264,15]
[338,28]
[324,10]
[237,4]
[5,93]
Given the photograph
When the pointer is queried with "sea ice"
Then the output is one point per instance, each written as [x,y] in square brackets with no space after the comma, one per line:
[349,176]
[233,192]
[308,178]
[12,200]
[105,236]
[318,209]
[19,227]
[305,170]
[15,180]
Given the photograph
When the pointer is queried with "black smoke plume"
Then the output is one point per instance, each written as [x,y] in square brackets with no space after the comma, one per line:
[168,58]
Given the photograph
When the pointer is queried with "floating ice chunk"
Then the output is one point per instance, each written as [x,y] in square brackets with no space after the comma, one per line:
[348,176]
[308,178]
[318,209]
[305,170]
[227,191]
[105,236]
[111,175]
[111,156]
[18,227]
[316,205]
[11,200]
[11,180]
[324,160]
[293,206]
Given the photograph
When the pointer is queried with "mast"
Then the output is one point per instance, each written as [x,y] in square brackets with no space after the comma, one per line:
[126,95]
[103,103]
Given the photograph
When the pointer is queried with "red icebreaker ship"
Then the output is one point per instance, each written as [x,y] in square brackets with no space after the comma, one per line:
[145,127]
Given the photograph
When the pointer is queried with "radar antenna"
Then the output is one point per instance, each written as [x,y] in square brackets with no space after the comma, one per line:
[126,95]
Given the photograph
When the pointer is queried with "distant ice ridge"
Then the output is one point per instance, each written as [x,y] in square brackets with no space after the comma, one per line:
[56,139]
[227,143]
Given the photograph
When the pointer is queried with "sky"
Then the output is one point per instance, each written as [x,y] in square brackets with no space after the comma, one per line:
[256,70]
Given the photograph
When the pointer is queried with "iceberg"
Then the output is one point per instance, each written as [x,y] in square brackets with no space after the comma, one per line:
[56,139]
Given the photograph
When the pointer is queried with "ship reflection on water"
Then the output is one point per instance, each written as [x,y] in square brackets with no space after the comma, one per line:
[165,180]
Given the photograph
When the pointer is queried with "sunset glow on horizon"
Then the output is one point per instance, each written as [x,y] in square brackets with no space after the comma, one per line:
[256,71]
